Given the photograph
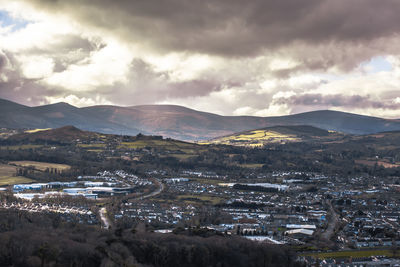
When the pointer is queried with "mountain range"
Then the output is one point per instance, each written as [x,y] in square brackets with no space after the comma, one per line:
[177,121]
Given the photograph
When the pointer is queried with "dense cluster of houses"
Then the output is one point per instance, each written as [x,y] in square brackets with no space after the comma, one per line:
[81,213]
[158,212]
[280,207]
[300,208]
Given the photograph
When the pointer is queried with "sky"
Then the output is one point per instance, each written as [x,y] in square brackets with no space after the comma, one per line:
[231,57]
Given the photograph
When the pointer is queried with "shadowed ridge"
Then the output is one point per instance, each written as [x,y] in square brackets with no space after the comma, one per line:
[65,134]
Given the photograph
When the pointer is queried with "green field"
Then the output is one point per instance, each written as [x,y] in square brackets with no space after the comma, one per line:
[41,166]
[91,145]
[352,253]
[8,176]
[188,149]
[252,165]
[255,138]
[37,130]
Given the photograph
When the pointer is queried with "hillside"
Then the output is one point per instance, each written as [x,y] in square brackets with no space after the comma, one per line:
[66,134]
[176,121]
[97,142]
[16,116]
[278,134]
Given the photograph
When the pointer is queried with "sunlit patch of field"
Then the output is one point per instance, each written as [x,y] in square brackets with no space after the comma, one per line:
[256,138]
[251,165]
[177,149]
[37,130]
[41,166]
[148,143]
[91,145]
[170,145]
[4,135]
[8,176]
[204,143]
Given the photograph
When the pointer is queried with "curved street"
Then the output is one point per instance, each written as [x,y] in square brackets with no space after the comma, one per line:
[156,192]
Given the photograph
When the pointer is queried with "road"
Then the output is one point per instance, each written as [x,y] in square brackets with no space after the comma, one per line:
[334,220]
[104,219]
[155,192]
[106,224]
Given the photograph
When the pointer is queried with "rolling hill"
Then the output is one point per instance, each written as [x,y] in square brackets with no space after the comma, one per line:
[176,121]
[97,142]
[66,134]
[278,134]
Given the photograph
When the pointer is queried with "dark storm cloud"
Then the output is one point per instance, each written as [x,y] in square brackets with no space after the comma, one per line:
[253,41]
[235,27]
[353,101]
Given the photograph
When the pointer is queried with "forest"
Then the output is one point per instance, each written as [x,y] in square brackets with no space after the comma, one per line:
[46,240]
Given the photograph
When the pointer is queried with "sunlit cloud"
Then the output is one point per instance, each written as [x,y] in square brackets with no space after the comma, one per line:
[265,59]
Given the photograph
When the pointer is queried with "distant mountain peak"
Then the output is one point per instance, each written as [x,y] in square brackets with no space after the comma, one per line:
[59,105]
[178,122]
[69,128]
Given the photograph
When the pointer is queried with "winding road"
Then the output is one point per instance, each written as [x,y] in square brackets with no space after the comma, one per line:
[106,224]
[156,192]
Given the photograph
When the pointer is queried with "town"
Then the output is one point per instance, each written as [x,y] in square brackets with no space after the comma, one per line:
[292,208]
[120,182]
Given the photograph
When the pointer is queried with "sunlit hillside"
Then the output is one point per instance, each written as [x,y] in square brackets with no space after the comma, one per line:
[278,134]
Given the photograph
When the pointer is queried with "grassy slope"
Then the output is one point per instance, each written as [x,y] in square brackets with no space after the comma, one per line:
[165,144]
[41,166]
[8,176]
[277,134]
